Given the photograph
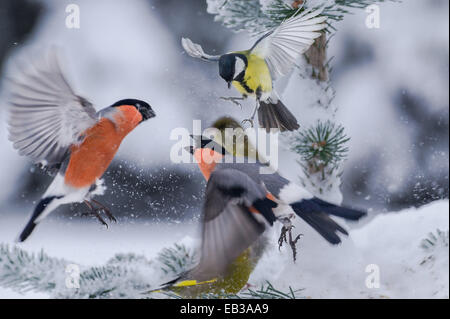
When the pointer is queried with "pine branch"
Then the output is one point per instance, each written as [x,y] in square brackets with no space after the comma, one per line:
[123,276]
[269,292]
[24,272]
[266,291]
[321,145]
[176,260]
[322,149]
[436,239]
[253,17]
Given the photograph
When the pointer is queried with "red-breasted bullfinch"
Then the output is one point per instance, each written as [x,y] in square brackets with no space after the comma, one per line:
[55,127]
[240,203]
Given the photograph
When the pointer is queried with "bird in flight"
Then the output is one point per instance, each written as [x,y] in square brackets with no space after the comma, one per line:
[62,131]
[240,204]
[273,55]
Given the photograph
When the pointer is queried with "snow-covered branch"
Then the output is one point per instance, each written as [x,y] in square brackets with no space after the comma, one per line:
[123,276]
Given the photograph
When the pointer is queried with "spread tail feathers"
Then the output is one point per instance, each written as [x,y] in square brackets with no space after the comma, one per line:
[276,115]
[41,206]
[315,212]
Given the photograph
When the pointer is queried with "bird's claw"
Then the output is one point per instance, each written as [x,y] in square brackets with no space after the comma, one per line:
[234,100]
[292,242]
[108,214]
[101,220]
[110,217]
[95,211]
[106,211]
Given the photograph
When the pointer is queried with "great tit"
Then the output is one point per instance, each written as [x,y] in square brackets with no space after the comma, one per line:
[273,55]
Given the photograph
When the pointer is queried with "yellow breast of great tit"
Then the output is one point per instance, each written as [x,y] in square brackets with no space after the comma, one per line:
[256,78]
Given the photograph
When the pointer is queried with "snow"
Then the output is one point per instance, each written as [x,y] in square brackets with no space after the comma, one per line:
[391,242]
[405,52]
[406,55]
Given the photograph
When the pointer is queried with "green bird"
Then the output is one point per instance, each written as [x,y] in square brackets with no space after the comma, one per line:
[253,71]
[236,143]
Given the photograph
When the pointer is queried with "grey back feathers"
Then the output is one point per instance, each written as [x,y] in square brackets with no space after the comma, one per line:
[272,182]
[229,227]
[46,116]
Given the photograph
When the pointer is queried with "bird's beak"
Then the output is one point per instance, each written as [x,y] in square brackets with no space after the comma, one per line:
[147,113]
[197,140]
[189,149]
[229,84]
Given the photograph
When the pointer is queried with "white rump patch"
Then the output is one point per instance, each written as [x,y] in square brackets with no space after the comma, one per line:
[292,193]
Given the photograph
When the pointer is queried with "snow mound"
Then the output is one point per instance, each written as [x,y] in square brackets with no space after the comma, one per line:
[408,252]
[395,255]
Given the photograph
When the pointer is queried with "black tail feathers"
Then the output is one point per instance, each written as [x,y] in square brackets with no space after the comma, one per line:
[264,206]
[37,212]
[316,213]
[276,115]
[339,211]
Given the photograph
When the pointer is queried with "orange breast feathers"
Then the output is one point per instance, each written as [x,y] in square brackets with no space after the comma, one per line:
[207,160]
[90,159]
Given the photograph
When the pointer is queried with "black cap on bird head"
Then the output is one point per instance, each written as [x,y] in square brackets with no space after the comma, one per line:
[143,107]
[228,64]
[201,141]
[226,67]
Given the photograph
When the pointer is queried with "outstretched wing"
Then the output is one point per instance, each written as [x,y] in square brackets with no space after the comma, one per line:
[46,116]
[282,46]
[229,227]
[196,51]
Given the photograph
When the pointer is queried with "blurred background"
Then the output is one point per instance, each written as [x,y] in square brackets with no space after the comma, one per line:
[391,90]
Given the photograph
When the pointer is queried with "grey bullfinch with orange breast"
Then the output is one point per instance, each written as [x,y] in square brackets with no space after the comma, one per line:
[55,127]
